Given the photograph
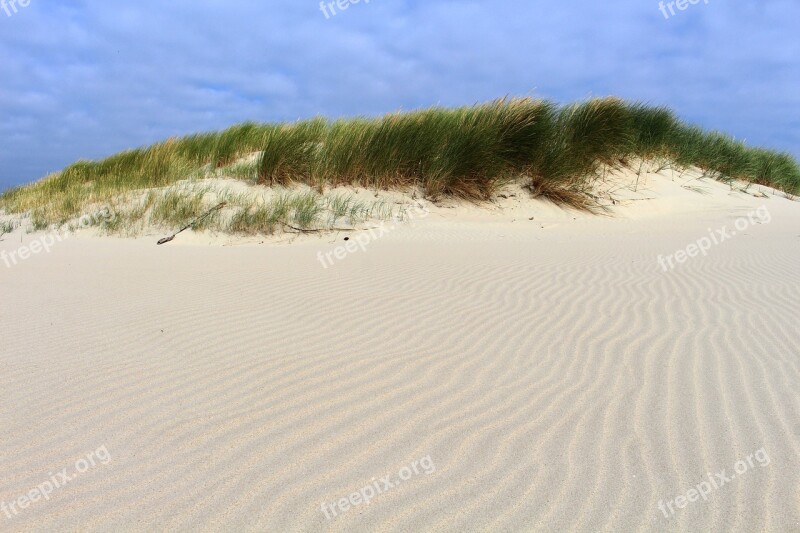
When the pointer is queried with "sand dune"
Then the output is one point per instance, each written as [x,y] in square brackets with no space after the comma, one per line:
[554,374]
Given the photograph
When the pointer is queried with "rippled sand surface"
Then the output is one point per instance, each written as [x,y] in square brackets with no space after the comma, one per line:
[520,376]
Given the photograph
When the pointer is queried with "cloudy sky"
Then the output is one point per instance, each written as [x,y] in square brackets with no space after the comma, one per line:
[85,79]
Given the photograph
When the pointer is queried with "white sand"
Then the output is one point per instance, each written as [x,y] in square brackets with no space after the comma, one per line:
[557,377]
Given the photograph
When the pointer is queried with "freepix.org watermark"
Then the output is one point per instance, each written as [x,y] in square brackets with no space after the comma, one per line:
[55,481]
[715,482]
[668,8]
[44,243]
[715,237]
[329,8]
[11,7]
[378,486]
[362,240]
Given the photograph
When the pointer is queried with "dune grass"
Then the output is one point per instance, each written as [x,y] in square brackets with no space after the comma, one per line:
[259,211]
[7,227]
[464,152]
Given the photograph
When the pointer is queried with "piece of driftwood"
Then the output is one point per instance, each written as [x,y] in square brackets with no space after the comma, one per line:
[165,240]
[318,230]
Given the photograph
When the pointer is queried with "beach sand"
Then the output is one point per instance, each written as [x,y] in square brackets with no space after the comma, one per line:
[543,374]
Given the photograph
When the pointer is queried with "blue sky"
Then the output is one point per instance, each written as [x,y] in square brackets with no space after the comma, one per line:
[85,79]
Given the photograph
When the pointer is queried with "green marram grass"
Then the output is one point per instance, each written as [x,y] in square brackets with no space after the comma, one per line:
[466,152]
[259,211]
[7,227]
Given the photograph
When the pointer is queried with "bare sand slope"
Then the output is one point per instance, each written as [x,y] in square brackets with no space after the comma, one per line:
[526,375]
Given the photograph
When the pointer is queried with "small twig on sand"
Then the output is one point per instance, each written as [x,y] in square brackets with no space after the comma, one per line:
[638,175]
[165,240]
[318,230]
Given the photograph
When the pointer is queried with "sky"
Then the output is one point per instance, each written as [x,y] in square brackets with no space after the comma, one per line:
[86,79]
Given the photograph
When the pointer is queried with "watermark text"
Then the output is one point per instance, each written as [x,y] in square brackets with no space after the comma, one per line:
[715,237]
[378,486]
[56,480]
[715,482]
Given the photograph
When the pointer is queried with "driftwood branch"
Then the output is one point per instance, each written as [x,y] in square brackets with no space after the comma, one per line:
[318,230]
[165,240]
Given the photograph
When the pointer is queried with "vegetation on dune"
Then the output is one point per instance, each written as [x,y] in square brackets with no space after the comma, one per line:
[7,227]
[465,152]
[245,213]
